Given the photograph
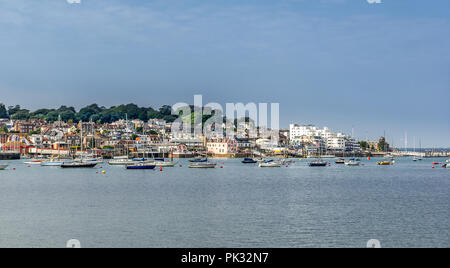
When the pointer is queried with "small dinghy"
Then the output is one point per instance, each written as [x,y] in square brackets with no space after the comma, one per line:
[384,163]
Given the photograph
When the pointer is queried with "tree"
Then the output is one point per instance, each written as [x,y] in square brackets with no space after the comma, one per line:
[383,146]
[3,111]
[4,129]
[364,145]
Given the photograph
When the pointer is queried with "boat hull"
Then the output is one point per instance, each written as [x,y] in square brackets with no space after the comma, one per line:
[318,164]
[141,167]
[79,165]
[202,165]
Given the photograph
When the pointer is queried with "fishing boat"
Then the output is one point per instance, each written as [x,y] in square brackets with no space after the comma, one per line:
[78,164]
[318,164]
[353,163]
[141,166]
[384,163]
[33,162]
[270,163]
[202,165]
[249,161]
[3,167]
[340,161]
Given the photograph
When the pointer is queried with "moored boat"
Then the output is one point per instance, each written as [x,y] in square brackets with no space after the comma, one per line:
[249,161]
[270,163]
[141,166]
[199,160]
[78,165]
[353,163]
[340,161]
[318,164]
[202,165]
[384,163]
[446,165]
[33,162]
[162,163]
[3,167]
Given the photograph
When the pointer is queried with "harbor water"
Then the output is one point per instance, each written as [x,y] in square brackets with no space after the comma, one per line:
[404,205]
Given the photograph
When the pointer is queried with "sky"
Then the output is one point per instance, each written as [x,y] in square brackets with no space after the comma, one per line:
[345,64]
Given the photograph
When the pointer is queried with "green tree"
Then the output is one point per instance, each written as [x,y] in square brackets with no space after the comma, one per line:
[3,111]
[383,146]
[4,129]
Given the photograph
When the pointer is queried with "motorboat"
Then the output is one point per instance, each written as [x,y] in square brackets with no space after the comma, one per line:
[270,163]
[318,164]
[340,161]
[446,165]
[140,166]
[384,163]
[33,162]
[249,161]
[353,163]
[3,167]
[202,165]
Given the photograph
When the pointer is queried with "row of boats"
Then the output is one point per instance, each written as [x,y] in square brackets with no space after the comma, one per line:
[144,163]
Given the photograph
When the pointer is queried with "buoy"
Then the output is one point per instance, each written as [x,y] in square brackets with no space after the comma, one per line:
[368,158]
[29,166]
[181,165]
[104,172]
[160,169]
[221,166]
[14,168]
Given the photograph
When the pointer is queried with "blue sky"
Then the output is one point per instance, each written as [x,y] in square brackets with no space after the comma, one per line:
[338,63]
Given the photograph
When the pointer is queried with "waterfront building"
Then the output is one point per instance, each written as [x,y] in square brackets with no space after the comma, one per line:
[222,146]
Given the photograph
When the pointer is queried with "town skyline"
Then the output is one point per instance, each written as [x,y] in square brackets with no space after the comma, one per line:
[347,64]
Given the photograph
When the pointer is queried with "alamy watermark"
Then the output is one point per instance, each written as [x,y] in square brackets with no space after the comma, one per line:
[239,120]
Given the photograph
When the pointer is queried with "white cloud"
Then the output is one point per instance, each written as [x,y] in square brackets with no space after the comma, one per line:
[74,1]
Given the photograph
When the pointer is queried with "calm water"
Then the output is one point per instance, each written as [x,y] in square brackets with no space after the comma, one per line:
[406,205]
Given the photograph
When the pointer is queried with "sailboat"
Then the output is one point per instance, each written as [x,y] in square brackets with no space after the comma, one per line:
[318,163]
[80,163]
